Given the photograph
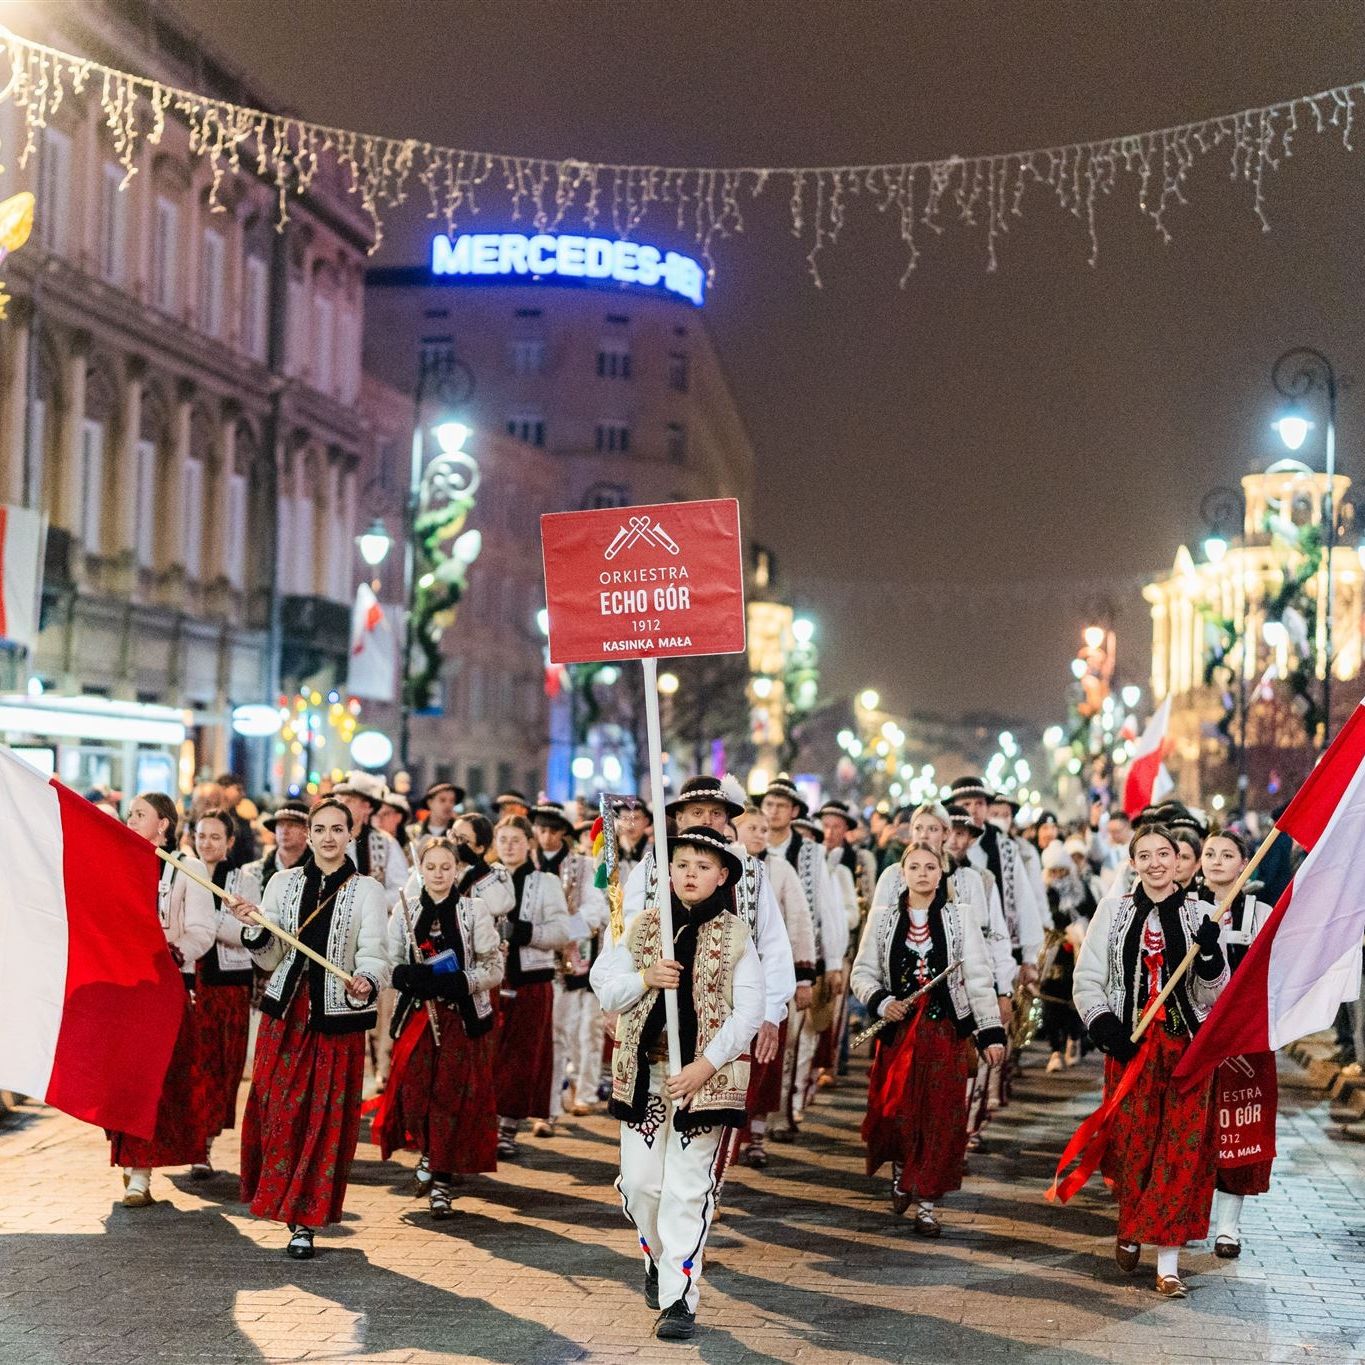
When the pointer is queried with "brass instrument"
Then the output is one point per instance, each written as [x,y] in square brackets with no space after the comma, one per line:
[1028,1001]
[878,1025]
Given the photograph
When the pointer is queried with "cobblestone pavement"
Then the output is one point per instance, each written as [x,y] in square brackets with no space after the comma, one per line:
[807,1263]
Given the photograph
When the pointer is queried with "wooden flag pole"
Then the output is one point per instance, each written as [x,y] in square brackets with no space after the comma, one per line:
[662,883]
[260,919]
[1217,919]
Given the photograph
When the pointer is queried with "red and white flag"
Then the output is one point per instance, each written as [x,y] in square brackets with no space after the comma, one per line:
[21,573]
[1148,781]
[373,669]
[1306,959]
[90,998]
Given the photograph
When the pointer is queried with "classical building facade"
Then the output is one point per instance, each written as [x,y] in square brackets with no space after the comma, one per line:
[1239,640]
[178,392]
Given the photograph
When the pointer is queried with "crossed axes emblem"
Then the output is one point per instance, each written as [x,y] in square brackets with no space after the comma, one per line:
[638,530]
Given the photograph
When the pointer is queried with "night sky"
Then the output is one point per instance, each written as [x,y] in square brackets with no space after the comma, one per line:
[953,476]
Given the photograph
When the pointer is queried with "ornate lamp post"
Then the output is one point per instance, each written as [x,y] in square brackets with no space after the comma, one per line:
[1297,374]
[1223,511]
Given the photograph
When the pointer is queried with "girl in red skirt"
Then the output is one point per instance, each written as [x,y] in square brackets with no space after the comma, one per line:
[302,1116]
[537,927]
[440,1098]
[1225,855]
[917,1088]
[1161,1147]
[187,918]
[222,989]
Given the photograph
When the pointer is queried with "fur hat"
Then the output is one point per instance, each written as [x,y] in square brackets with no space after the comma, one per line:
[1056,856]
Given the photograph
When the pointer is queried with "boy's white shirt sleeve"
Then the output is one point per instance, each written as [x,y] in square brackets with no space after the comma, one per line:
[775,956]
[615,980]
[833,920]
[633,898]
[746,1015]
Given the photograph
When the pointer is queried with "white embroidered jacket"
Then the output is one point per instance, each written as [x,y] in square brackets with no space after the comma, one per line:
[480,947]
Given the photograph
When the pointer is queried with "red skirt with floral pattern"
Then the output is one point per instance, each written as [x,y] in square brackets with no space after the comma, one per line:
[923,1128]
[443,1102]
[179,1137]
[525,1050]
[1162,1151]
[221,1028]
[302,1118]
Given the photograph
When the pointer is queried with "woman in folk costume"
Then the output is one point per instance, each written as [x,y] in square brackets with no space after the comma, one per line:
[222,989]
[533,933]
[1071,906]
[765,1083]
[917,1088]
[1243,1085]
[440,1099]
[302,1117]
[1160,1143]
[187,919]
[676,1131]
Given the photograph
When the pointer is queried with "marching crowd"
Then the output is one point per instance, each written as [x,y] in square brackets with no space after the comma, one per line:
[456,977]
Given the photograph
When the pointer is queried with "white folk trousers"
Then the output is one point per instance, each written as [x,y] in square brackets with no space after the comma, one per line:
[578,1046]
[670,1187]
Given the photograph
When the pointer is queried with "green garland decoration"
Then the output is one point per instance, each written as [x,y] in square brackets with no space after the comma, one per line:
[439,585]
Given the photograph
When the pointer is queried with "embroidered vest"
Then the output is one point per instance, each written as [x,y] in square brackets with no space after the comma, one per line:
[720,946]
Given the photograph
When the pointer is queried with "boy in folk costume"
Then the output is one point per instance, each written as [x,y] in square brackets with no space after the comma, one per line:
[677,1131]
[289,826]
[578,1020]
[440,802]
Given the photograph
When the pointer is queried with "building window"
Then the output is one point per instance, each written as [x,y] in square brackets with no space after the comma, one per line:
[212,259]
[613,436]
[255,307]
[613,359]
[437,354]
[113,225]
[606,495]
[675,440]
[236,528]
[92,485]
[54,190]
[528,356]
[324,342]
[618,320]
[477,699]
[474,782]
[678,371]
[528,427]
[527,313]
[165,251]
[192,518]
[146,501]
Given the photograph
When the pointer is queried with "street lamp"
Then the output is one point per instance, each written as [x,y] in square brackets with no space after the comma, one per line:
[668,684]
[1297,373]
[803,630]
[1223,510]
[374,543]
[869,699]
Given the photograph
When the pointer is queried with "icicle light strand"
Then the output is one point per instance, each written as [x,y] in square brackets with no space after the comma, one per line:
[985,192]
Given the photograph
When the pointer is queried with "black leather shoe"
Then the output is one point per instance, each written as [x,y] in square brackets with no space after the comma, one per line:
[676,1323]
[300,1246]
[652,1286]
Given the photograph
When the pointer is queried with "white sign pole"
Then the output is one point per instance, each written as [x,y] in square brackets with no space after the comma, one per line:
[662,880]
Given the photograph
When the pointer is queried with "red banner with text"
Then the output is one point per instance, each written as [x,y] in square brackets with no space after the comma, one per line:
[644,582]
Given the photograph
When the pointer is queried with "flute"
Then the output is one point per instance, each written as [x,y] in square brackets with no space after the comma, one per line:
[874,1029]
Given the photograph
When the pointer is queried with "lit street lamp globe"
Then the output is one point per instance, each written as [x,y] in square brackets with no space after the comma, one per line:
[668,683]
[374,543]
[869,699]
[803,629]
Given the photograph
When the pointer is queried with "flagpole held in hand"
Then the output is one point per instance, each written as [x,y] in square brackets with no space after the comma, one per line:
[1190,956]
[256,915]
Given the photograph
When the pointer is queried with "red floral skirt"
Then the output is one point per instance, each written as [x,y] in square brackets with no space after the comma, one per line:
[526,1051]
[179,1137]
[1162,1150]
[302,1118]
[222,1024]
[922,1123]
[765,1080]
[441,1100]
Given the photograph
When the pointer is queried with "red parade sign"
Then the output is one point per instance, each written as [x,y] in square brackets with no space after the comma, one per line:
[644,582]
[1247,1095]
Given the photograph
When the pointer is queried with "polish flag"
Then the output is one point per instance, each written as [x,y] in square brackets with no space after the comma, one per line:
[21,562]
[90,998]
[1306,959]
[1148,781]
[373,669]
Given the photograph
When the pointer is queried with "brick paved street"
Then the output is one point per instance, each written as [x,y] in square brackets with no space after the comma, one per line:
[807,1263]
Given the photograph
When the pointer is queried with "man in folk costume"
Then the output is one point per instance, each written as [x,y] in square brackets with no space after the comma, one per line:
[512,803]
[853,880]
[676,1131]
[634,832]
[578,1019]
[393,817]
[289,825]
[440,802]
[714,803]
[783,803]
[374,853]
[765,1084]
[1002,813]
[302,1117]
